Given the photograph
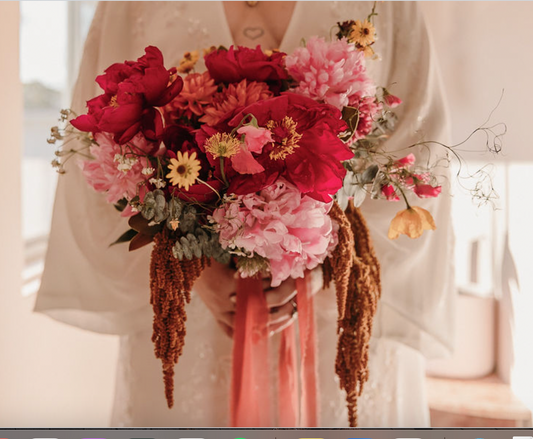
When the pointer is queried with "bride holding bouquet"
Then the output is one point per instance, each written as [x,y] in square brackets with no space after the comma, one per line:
[106,289]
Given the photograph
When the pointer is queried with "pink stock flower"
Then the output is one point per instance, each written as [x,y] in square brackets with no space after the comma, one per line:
[292,232]
[114,169]
[330,72]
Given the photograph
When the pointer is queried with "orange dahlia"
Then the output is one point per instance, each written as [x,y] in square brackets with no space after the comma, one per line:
[235,96]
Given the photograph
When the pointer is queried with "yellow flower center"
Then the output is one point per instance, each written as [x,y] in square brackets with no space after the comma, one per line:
[285,137]
[362,34]
[222,145]
[188,61]
[113,102]
[184,170]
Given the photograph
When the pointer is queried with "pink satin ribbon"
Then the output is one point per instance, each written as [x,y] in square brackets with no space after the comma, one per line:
[250,391]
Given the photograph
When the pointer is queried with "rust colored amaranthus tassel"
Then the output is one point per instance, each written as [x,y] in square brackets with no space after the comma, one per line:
[171,281]
[355,271]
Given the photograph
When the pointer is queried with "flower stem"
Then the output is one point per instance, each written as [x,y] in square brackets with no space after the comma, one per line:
[222,171]
[210,187]
[404,197]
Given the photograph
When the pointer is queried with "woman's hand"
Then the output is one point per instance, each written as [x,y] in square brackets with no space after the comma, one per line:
[217,287]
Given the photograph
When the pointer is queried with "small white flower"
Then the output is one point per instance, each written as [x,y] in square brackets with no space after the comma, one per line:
[158,183]
[148,171]
[124,163]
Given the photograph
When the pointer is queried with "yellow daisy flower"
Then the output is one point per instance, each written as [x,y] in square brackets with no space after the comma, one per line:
[411,222]
[188,61]
[362,33]
[209,50]
[368,51]
[184,171]
[222,145]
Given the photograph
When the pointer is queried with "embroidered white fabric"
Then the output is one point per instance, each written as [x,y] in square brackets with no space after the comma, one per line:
[89,285]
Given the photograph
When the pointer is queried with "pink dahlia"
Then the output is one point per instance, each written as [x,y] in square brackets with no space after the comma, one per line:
[117,169]
[198,90]
[330,72]
[292,232]
[235,96]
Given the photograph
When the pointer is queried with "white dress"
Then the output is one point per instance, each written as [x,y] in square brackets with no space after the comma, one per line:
[106,290]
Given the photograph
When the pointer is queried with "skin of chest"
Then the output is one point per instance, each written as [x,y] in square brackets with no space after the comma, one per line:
[264,24]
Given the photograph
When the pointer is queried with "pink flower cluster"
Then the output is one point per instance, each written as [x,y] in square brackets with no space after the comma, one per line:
[334,72]
[404,176]
[369,108]
[294,233]
[117,169]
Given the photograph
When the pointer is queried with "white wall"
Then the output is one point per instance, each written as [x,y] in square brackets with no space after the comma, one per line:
[51,375]
[485,47]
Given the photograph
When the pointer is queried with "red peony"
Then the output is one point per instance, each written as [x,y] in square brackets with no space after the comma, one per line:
[306,149]
[132,90]
[234,65]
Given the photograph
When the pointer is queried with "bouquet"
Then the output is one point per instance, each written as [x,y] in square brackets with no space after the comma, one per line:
[260,161]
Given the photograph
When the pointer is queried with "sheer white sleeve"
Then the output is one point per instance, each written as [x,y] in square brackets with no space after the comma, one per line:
[86,282]
[417,306]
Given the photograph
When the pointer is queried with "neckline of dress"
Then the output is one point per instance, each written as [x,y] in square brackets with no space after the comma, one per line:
[288,30]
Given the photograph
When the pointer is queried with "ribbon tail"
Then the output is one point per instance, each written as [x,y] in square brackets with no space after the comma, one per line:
[308,346]
[250,391]
[288,380]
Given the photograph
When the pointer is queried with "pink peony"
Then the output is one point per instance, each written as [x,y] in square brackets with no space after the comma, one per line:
[292,232]
[117,169]
[330,72]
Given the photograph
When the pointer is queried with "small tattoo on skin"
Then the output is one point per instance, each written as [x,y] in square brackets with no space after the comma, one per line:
[253,33]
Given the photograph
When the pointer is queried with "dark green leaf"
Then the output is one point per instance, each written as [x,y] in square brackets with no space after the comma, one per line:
[120,205]
[139,241]
[140,224]
[125,237]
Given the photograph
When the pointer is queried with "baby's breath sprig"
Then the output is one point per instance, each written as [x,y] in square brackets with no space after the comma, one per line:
[64,133]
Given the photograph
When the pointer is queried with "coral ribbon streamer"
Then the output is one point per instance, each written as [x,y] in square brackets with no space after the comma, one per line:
[250,391]
[250,402]
[308,348]
[288,380]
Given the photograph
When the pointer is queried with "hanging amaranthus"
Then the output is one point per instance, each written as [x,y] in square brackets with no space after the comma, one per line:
[171,281]
[355,271]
